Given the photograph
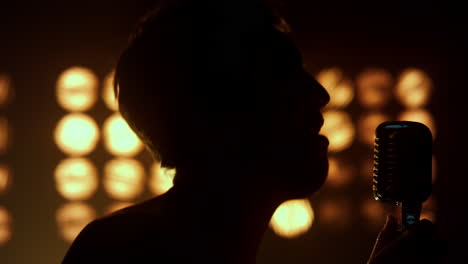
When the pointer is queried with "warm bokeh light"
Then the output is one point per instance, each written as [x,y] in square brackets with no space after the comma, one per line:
[429,210]
[76,89]
[335,213]
[421,116]
[366,168]
[72,218]
[5,89]
[339,172]
[413,88]
[292,218]
[124,179]
[161,179]
[117,206]
[5,226]
[76,134]
[4,135]
[76,179]
[367,124]
[119,139]
[374,88]
[108,94]
[5,178]
[374,213]
[339,129]
[340,90]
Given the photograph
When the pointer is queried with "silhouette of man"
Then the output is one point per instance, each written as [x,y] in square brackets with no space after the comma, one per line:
[216,89]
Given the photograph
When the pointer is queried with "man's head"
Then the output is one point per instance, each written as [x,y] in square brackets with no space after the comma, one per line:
[221,86]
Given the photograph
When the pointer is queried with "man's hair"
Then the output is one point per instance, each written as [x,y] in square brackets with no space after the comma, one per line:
[184,45]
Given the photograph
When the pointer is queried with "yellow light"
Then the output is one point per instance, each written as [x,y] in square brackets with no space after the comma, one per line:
[5,178]
[339,129]
[414,88]
[108,94]
[5,226]
[76,134]
[340,90]
[5,89]
[119,139]
[123,179]
[335,213]
[4,135]
[76,89]
[367,125]
[72,218]
[421,116]
[292,218]
[339,173]
[161,179]
[374,88]
[374,213]
[76,179]
[117,206]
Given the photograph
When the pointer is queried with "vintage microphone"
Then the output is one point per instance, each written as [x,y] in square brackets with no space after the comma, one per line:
[403,167]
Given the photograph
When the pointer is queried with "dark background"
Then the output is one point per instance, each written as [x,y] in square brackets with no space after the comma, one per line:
[40,39]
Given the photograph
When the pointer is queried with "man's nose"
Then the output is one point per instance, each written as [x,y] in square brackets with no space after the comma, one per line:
[318,91]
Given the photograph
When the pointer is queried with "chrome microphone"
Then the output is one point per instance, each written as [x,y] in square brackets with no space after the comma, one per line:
[403,167]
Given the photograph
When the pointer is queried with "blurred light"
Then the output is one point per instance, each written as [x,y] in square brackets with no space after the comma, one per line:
[421,116]
[5,178]
[5,89]
[367,168]
[4,135]
[428,210]
[76,179]
[374,213]
[367,125]
[292,218]
[374,88]
[339,173]
[340,90]
[123,179]
[108,94]
[414,88]
[5,226]
[76,89]
[339,129]
[72,218]
[117,206]
[76,134]
[161,179]
[335,213]
[119,139]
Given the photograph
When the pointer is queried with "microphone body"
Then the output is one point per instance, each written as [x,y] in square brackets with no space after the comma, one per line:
[403,167]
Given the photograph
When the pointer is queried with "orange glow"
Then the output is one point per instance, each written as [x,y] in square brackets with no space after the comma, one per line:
[339,173]
[421,116]
[367,125]
[292,218]
[339,129]
[366,168]
[161,179]
[76,179]
[5,178]
[5,89]
[76,134]
[4,135]
[340,90]
[124,179]
[5,226]
[76,89]
[374,88]
[374,213]
[108,94]
[72,218]
[414,88]
[428,210]
[117,206]
[335,213]
[119,139]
